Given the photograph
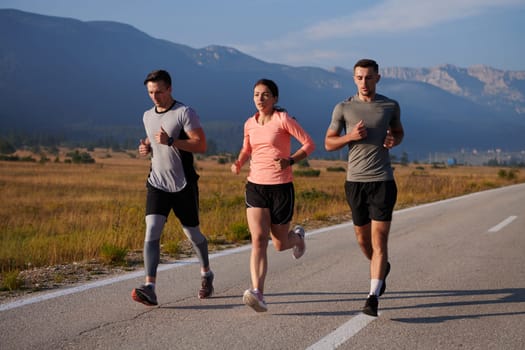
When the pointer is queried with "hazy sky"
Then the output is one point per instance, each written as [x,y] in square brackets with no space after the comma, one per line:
[405,33]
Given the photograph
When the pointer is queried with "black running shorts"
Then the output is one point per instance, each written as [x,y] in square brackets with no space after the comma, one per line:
[280,199]
[185,203]
[371,200]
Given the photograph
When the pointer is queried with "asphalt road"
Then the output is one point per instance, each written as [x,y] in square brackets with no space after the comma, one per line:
[457,282]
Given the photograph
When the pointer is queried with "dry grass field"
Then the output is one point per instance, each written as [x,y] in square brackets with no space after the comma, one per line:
[55,213]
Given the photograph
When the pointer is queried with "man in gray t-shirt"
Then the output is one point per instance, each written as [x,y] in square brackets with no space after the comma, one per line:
[174,133]
[369,125]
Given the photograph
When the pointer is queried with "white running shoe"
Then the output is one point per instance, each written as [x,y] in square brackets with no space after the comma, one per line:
[299,249]
[255,300]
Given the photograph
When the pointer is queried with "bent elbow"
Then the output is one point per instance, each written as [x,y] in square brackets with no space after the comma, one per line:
[328,147]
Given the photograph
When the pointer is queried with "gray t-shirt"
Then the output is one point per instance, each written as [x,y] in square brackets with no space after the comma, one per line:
[368,160]
[171,168]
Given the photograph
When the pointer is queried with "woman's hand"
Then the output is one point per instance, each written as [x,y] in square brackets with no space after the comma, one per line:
[282,163]
[236,167]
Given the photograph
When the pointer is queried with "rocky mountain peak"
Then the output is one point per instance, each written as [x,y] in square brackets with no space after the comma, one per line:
[479,83]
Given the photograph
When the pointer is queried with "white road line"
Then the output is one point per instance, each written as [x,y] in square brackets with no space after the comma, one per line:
[59,293]
[343,333]
[139,273]
[331,341]
[84,287]
[125,277]
[503,224]
[100,283]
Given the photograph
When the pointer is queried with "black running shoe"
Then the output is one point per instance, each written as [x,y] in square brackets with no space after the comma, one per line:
[145,295]
[206,290]
[383,287]
[371,306]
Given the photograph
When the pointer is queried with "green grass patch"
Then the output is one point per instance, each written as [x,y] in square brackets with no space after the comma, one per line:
[307,172]
[11,280]
[336,169]
[238,231]
[172,248]
[111,254]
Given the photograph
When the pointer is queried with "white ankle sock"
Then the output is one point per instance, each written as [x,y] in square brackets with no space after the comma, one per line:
[375,286]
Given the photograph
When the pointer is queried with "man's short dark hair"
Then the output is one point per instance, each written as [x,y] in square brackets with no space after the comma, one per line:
[367,63]
[158,75]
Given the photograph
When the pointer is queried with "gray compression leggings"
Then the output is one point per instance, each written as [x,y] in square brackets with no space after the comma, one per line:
[154,225]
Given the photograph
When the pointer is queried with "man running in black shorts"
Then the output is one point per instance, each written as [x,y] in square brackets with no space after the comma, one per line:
[174,133]
[372,127]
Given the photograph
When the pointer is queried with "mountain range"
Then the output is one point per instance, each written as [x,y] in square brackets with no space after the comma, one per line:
[84,81]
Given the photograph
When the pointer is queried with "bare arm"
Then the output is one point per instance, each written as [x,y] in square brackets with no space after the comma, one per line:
[196,142]
[333,141]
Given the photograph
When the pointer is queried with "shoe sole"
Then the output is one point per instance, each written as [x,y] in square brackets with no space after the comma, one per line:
[369,312]
[370,309]
[301,253]
[139,297]
[298,256]
[206,296]
[250,300]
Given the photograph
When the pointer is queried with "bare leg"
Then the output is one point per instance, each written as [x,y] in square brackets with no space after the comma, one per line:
[283,238]
[380,230]
[364,239]
[372,239]
[259,225]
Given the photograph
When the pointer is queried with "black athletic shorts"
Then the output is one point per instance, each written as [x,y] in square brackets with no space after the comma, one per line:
[371,200]
[185,203]
[280,199]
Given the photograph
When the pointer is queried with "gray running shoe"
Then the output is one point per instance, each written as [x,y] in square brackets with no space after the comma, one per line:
[255,300]
[145,295]
[300,248]
[206,290]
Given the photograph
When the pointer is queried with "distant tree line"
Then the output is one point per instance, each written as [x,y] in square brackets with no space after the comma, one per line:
[11,142]
[36,143]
